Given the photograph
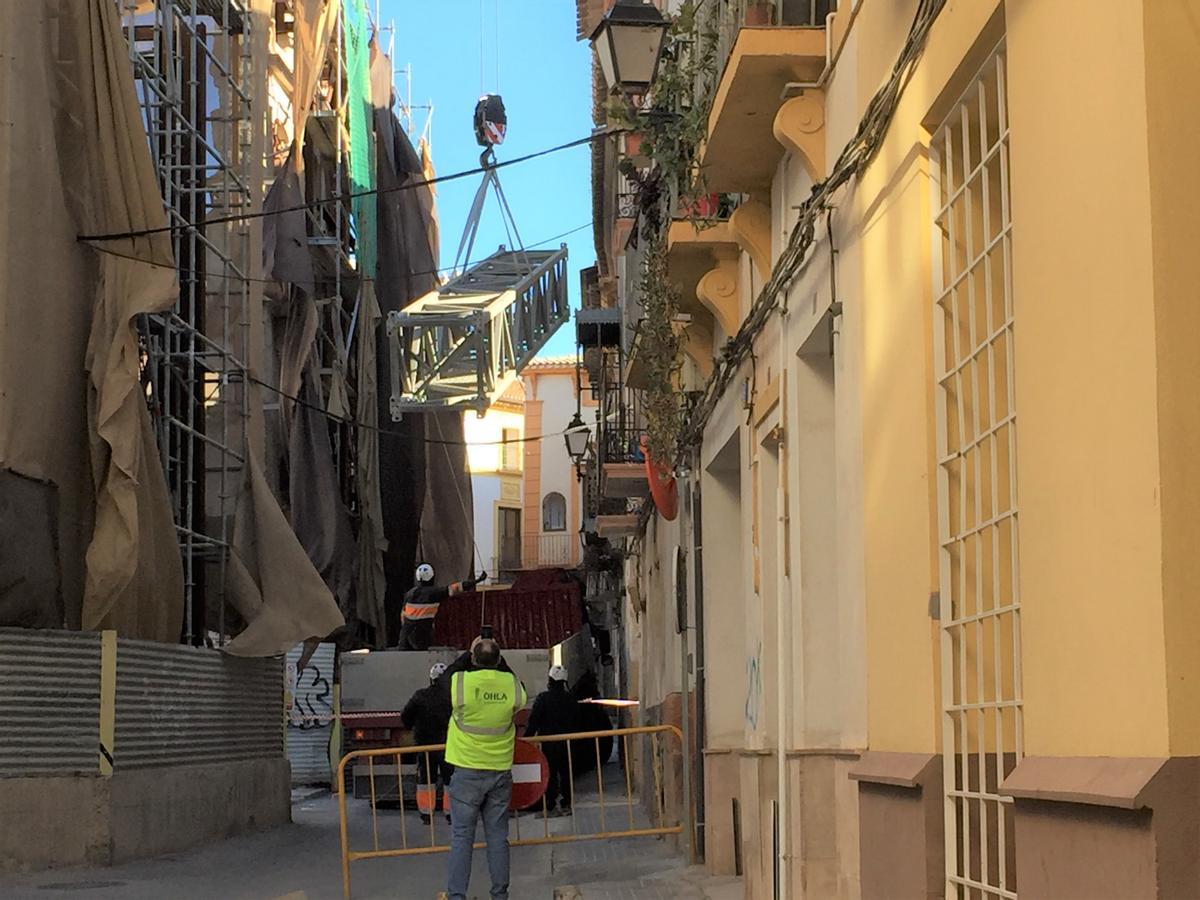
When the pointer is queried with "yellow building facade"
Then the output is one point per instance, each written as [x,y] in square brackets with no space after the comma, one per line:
[934,543]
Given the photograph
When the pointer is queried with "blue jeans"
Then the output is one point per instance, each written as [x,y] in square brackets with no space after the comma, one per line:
[474,792]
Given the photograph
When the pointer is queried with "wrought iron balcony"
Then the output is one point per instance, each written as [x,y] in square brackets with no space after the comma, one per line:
[761,48]
[537,551]
[738,14]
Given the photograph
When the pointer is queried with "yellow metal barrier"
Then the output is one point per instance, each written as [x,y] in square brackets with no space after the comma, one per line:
[640,822]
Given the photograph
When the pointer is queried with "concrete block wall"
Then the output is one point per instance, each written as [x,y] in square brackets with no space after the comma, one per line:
[75,820]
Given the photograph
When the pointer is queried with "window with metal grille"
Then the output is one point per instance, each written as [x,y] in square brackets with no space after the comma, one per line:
[977,487]
[554,512]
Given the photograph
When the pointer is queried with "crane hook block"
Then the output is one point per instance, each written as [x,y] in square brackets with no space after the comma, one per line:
[490,121]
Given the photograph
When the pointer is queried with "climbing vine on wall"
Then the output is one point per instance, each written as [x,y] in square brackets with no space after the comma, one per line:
[659,351]
[673,122]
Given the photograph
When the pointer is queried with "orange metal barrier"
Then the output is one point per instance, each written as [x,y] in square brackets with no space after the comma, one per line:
[616,819]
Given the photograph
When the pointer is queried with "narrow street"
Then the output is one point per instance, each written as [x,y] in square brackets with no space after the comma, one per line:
[300,862]
[760,435]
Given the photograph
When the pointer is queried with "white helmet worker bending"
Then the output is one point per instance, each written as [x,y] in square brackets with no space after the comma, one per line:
[421,603]
[436,671]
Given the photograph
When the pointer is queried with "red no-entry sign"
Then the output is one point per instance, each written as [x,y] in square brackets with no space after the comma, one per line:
[530,774]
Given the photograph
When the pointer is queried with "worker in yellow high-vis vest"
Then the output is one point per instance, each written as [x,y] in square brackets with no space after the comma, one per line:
[480,745]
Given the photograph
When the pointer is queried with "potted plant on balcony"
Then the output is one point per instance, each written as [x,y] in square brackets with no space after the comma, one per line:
[700,207]
[633,149]
[760,12]
[663,489]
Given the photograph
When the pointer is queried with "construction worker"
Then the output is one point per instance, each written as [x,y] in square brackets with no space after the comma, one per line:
[480,746]
[555,712]
[427,715]
[421,604]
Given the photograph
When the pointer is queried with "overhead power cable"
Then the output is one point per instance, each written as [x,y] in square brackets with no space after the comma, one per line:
[856,155]
[852,161]
[346,420]
[338,198]
[247,278]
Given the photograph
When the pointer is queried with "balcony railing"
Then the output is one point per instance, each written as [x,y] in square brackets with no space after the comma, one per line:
[557,549]
[537,551]
[707,208]
[627,197]
[736,14]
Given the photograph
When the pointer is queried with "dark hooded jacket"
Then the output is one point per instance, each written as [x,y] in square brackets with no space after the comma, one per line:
[427,713]
[554,712]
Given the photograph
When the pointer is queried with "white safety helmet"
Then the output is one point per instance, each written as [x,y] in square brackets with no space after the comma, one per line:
[558,673]
[425,572]
[436,671]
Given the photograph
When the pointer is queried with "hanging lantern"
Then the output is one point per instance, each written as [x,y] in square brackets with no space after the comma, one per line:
[629,42]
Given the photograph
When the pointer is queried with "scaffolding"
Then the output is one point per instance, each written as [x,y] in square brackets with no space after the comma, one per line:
[332,240]
[192,63]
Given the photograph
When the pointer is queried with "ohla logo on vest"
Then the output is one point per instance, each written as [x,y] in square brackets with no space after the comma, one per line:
[491,695]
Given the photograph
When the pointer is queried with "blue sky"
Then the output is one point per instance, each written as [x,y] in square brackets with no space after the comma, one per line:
[544,78]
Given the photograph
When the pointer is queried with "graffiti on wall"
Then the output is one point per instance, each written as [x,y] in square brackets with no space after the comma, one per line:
[754,687]
[311,696]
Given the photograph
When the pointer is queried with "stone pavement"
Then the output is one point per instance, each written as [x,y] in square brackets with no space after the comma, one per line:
[301,862]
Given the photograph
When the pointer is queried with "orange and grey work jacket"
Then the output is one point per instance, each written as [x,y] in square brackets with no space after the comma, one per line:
[422,601]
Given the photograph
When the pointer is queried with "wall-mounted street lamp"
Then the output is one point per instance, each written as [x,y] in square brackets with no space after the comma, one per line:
[629,41]
[577,437]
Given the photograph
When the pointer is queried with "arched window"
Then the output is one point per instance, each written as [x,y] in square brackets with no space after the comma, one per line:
[554,512]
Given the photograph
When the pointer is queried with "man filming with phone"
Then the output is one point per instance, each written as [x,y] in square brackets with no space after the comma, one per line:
[485,699]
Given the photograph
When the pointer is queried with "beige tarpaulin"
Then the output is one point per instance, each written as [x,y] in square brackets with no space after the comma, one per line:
[74,159]
[271,582]
[447,536]
[372,544]
[428,197]
[314,28]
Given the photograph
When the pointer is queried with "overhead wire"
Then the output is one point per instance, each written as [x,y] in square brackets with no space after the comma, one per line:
[253,280]
[353,195]
[392,432]
[856,155]
[851,162]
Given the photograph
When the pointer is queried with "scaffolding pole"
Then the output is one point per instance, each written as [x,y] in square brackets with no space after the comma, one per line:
[192,63]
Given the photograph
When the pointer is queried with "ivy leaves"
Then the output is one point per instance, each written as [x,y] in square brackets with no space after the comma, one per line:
[673,125]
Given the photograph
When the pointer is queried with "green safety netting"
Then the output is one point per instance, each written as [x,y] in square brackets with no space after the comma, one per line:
[362,139]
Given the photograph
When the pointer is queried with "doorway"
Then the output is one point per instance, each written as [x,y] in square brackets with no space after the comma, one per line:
[509,540]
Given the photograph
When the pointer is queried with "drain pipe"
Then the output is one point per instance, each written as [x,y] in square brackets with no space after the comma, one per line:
[783,610]
[798,87]
[681,610]
[701,678]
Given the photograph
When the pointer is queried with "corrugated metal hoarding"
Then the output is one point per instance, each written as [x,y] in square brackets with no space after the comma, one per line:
[50,702]
[180,705]
[310,715]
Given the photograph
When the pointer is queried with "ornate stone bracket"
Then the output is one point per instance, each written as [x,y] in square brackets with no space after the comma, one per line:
[751,227]
[800,128]
[718,291]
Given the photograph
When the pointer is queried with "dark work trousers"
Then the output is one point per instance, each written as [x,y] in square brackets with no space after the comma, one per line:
[437,772]
[559,785]
[416,634]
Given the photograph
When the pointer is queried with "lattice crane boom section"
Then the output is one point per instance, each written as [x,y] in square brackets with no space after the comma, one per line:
[464,344]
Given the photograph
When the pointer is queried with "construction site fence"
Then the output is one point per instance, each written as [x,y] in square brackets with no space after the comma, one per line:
[91,703]
[625,810]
